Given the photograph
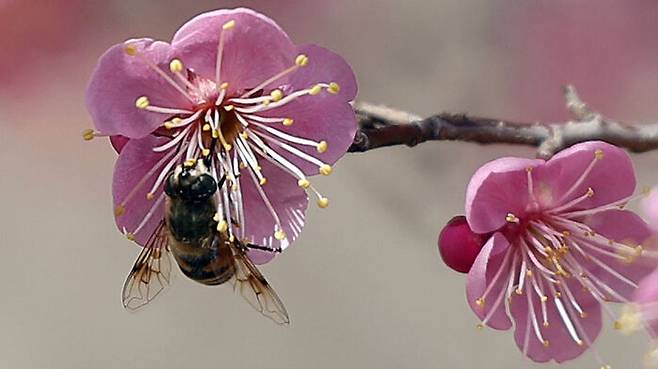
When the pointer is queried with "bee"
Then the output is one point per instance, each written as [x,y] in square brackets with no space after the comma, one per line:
[203,253]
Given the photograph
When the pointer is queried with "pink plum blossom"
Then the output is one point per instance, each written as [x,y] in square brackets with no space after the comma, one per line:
[459,245]
[561,246]
[233,89]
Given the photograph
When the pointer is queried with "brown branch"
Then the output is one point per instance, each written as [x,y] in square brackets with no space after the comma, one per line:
[381,127]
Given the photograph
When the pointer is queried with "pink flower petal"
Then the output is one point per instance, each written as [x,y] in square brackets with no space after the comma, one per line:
[118,142]
[458,245]
[119,80]
[135,161]
[255,49]
[561,345]
[481,276]
[628,228]
[288,200]
[496,189]
[324,117]
[325,66]
[612,178]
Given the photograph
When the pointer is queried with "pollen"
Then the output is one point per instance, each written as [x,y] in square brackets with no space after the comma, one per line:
[590,192]
[228,107]
[546,343]
[216,217]
[321,147]
[263,181]
[142,102]
[315,90]
[304,183]
[176,66]
[287,122]
[228,25]
[301,60]
[119,210]
[598,154]
[323,202]
[206,127]
[326,169]
[205,152]
[169,125]
[130,49]
[244,135]
[333,88]
[224,86]
[479,301]
[276,95]
[150,196]
[280,235]
[189,163]
[130,236]
[511,218]
[222,226]
[88,134]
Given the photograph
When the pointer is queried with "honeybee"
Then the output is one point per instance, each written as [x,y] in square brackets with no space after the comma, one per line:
[203,254]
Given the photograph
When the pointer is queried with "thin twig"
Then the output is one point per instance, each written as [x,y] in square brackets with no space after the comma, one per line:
[382,126]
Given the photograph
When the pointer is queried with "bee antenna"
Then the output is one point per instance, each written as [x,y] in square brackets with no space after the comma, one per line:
[208,159]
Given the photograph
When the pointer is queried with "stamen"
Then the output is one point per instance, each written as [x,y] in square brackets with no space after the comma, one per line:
[220,49]
[154,208]
[131,50]
[290,138]
[176,67]
[598,155]
[173,142]
[511,218]
[89,134]
[572,203]
[567,321]
[300,61]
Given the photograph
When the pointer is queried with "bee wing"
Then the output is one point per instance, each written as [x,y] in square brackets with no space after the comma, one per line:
[251,284]
[151,272]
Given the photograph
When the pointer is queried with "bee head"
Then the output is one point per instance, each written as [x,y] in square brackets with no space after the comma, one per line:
[190,181]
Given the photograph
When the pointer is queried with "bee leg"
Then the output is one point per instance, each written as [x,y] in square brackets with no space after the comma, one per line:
[221,182]
[275,250]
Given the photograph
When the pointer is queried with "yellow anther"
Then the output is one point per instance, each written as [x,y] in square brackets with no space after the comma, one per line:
[321,146]
[511,218]
[546,343]
[280,235]
[142,102]
[228,25]
[244,135]
[206,127]
[266,102]
[479,326]
[323,202]
[528,169]
[215,133]
[583,315]
[169,125]
[606,367]
[189,163]
[130,236]
[479,301]
[598,154]
[301,60]
[242,165]
[519,291]
[315,89]
[529,273]
[222,226]
[304,183]
[566,233]
[258,168]
[276,95]
[231,238]
[544,298]
[150,196]
[205,152]
[176,66]
[590,192]
[216,217]
[333,88]
[287,122]
[224,86]
[234,187]
[263,181]
[119,210]
[88,134]
[130,49]
[228,107]
[326,169]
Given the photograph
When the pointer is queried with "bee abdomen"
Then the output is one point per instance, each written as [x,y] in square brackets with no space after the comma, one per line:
[205,265]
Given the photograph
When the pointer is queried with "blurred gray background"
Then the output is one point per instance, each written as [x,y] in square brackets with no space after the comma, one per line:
[364,285]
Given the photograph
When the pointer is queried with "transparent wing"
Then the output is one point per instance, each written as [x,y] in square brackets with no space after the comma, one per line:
[151,272]
[251,284]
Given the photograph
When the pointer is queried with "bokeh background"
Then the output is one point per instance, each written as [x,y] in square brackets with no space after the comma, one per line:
[364,285]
